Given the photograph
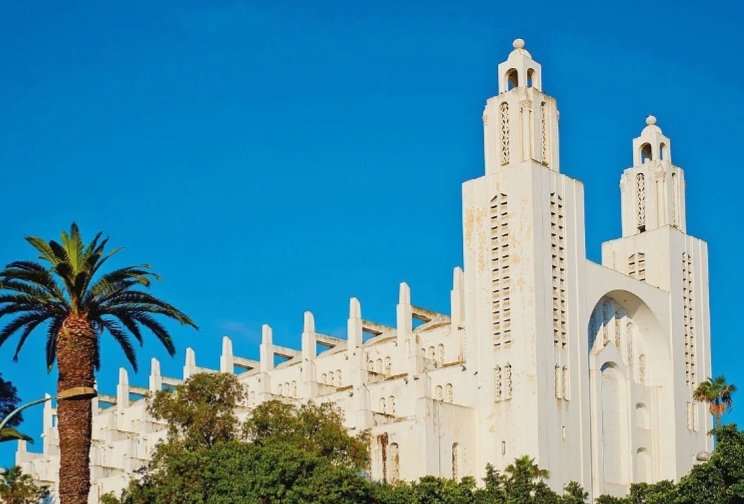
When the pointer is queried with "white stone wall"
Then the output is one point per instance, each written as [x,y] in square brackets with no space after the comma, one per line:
[588,368]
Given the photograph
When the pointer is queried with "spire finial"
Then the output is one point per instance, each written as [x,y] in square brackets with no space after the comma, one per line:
[518,43]
[650,120]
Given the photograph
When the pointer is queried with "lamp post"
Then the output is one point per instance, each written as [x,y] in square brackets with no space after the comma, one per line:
[8,433]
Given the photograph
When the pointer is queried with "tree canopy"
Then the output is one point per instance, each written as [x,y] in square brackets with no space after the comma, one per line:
[303,454]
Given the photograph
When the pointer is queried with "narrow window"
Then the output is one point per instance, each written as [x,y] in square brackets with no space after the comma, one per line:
[511,80]
[646,155]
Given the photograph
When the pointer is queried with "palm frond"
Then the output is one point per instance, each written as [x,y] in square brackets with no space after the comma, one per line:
[121,337]
[10,434]
[18,323]
[27,330]
[160,332]
[51,342]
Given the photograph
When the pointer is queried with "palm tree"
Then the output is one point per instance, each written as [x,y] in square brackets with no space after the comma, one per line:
[717,394]
[78,303]
[525,466]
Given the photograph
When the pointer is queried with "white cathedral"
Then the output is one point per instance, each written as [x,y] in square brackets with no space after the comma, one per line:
[589,368]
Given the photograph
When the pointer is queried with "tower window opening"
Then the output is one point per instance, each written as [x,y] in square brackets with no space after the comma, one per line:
[646,153]
[511,79]
[530,75]
[663,151]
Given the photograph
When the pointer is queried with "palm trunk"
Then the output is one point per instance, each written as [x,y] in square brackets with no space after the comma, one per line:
[76,355]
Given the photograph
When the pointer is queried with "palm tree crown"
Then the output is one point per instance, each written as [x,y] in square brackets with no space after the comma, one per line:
[718,394]
[525,466]
[69,285]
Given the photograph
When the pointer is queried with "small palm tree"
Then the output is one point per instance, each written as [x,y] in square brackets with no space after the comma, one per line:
[78,303]
[717,394]
[525,465]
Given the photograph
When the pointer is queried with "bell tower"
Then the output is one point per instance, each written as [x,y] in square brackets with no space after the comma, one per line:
[521,122]
[523,243]
[653,189]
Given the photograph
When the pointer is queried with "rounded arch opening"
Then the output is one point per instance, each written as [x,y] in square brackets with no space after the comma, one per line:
[646,153]
[642,416]
[663,152]
[511,79]
[530,77]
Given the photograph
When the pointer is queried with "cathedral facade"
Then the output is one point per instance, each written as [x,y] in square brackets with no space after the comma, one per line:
[589,368]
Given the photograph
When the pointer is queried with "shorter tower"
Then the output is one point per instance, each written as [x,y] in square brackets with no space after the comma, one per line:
[655,249]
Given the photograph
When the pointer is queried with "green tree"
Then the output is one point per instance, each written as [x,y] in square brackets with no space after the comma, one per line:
[314,428]
[717,393]
[524,478]
[202,411]
[77,303]
[282,454]
[574,493]
[8,403]
[19,488]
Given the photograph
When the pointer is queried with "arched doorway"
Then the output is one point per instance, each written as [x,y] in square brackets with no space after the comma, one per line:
[629,361]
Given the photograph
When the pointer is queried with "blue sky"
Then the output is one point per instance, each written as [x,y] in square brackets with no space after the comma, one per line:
[274,157]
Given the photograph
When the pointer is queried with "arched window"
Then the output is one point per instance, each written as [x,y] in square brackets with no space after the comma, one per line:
[456,461]
[383,405]
[370,365]
[448,393]
[530,75]
[629,338]
[643,465]
[330,378]
[394,459]
[511,79]
[391,405]
[338,377]
[432,353]
[440,352]
[294,388]
[663,154]
[438,393]
[642,369]
[388,365]
[643,417]
[646,153]
[323,378]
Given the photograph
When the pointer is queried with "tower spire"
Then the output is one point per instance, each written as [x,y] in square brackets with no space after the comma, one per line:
[521,122]
[653,189]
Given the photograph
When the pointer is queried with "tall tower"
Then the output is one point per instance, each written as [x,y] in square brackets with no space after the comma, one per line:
[524,251]
[656,249]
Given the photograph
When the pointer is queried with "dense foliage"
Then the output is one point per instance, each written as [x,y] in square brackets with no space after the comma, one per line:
[9,401]
[19,488]
[289,454]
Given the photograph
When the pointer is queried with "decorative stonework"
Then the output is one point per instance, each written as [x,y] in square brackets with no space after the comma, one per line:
[504,107]
[500,272]
[637,266]
[641,201]
[544,134]
[688,320]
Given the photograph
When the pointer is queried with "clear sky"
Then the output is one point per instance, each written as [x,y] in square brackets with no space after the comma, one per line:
[274,157]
